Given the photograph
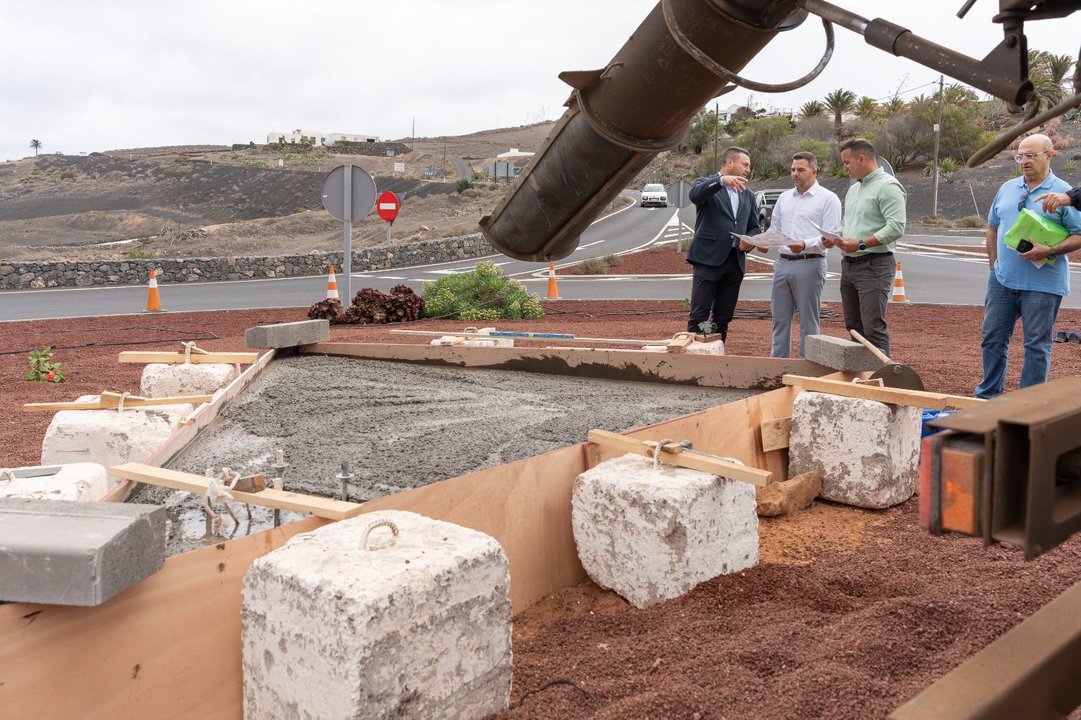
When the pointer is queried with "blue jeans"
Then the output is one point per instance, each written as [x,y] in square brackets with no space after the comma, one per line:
[1001,308]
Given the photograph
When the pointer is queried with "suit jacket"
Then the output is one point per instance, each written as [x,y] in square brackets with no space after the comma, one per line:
[714,222]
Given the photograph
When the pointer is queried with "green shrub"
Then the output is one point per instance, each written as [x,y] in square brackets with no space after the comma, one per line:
[970,221]
[484,294]
[592,266]
[936,221]
[42,367]
[1069,166]
[612,260]
[462,185]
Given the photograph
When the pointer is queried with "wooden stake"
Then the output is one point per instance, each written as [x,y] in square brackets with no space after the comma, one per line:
[196,358]
[280,499]
[111,400]
[676,454]
[893,396]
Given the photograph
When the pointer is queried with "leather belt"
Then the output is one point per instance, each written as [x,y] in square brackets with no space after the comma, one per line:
[804,256]
[867,257]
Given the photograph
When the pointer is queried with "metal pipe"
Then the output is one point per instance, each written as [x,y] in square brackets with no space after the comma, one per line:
[1003,73]
[621,116]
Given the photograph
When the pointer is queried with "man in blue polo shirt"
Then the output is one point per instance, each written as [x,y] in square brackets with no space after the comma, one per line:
[1016,287]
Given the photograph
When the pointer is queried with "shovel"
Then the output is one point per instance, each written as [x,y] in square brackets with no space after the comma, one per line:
[891,374]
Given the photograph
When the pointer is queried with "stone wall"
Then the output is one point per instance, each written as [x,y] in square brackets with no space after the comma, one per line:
[25,275]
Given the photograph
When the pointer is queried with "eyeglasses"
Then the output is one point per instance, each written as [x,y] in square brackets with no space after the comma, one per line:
[1024,197]
[1028,156]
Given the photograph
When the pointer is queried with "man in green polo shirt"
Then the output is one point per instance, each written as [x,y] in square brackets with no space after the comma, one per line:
[874,219]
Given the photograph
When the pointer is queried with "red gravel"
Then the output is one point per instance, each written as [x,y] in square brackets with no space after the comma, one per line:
[849,615]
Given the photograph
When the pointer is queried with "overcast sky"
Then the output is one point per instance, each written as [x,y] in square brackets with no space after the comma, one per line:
[90,76]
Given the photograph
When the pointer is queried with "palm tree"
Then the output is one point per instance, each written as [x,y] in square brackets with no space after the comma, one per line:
[866,108]
[36,144]
[839,102]
[811,109]
[893,106]
[1048,73]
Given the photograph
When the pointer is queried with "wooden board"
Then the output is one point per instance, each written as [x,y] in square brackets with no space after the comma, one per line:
[279,499]
[775,433]
[894,396]
[112,400]
[172,358]
[725,371]
[675,454]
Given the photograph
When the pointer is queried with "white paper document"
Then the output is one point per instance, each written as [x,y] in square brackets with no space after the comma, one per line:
[769,239]
[828,234]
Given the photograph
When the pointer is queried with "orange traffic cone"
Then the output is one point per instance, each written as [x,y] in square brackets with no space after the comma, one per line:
[898,286]
[332,285]
[553,290]
[153,299]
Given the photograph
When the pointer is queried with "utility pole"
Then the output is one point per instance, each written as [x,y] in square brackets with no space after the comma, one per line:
[716,132]
[444,158]
[938,136]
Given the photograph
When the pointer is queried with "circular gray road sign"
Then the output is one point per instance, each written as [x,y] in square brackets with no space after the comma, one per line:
[362,192]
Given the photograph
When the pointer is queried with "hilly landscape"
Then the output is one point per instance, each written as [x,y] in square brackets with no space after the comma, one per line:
[254,200]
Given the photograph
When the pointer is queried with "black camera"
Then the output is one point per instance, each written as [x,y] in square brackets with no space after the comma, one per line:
[1023,246]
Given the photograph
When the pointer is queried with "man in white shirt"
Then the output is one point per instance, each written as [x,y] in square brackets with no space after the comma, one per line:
[800,272]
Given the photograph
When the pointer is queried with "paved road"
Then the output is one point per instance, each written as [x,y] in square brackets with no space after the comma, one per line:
[951,275]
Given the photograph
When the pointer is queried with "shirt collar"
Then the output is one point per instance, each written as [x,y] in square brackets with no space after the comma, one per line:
[1046,182]
[810,192]
[873,174]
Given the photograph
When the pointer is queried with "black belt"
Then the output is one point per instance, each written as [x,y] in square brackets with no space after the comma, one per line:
[867,257]
[800,257]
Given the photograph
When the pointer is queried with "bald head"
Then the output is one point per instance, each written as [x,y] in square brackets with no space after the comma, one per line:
[1034,154]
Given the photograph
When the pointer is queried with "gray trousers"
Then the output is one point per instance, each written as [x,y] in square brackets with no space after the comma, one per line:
[866,282]
[797,287]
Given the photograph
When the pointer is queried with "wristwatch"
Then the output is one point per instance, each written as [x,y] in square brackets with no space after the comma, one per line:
[863,245]
[1052,255]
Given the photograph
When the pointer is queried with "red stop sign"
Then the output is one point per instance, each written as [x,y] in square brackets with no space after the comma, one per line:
[387,206]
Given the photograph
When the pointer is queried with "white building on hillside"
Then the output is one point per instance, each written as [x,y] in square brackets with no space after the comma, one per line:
[318,137]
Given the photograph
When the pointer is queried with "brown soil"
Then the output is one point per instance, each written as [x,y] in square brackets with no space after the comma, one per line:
[849,614]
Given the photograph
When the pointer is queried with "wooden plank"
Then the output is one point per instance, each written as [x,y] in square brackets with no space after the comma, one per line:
[676,454]
[894,396]
[726,371]
[111,401]
[172,358]
[775,433]
[280,499]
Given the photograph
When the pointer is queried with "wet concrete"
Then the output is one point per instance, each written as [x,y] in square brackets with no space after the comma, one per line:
[401,426]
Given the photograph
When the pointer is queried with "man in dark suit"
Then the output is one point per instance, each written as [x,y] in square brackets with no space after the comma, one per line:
[723,206]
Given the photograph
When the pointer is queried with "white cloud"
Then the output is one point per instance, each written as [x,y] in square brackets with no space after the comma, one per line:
[112,74]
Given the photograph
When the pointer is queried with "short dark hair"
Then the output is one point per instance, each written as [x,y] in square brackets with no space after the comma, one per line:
[731,153]
[859,145]
[812,161]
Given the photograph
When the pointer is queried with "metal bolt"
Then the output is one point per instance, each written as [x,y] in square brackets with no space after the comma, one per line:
[344,477]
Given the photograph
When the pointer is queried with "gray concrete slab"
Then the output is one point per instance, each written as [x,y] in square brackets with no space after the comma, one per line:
[76,553]
[841,354]
[285,335]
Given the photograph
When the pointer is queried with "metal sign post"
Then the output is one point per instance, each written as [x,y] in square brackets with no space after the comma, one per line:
[387,208]
[681,192]
[348,192]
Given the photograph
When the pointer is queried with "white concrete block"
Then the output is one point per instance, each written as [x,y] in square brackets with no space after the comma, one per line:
[85,482]
[653,534]
[707,348]
[867,452]
[109,437]
[419,626]
[160,380]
